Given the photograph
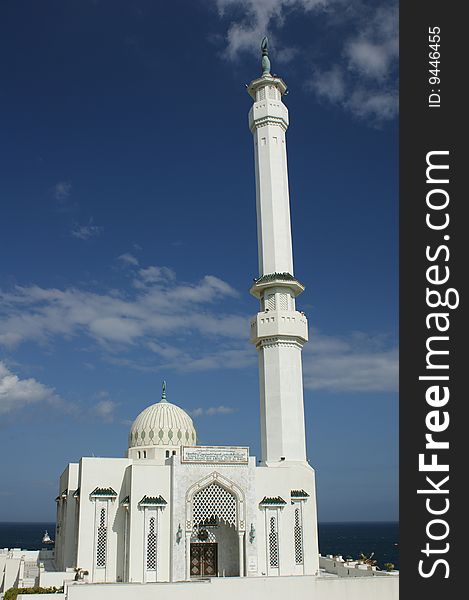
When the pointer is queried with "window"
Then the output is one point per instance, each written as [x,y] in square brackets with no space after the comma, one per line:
[273,543]
[101,540]
[144,454]
[167,453]
[298,537]
[174,452]
[151,545]
[139,453]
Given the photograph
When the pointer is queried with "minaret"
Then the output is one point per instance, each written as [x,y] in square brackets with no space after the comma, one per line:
[279,331]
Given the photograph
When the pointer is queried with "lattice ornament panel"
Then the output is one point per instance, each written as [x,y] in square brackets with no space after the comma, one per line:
[273,543]
[151,545]
[298,537]
[283,301]
[211,503]
[270,303]
[101,539]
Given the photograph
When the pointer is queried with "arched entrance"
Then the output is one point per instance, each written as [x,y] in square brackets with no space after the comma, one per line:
[215,529]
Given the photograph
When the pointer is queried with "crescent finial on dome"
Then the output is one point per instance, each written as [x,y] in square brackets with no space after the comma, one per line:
[163,392]
[265,56]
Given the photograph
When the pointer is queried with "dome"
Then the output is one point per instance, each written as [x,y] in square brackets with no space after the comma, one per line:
[162,424]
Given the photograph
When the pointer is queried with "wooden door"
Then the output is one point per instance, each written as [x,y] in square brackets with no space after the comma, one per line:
[204,560]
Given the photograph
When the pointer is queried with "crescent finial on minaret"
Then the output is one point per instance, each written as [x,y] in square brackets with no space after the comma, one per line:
[265,56]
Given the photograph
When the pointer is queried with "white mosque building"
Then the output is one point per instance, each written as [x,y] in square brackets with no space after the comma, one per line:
[173,511]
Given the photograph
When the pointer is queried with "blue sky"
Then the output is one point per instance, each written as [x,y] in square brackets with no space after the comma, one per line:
[128,232]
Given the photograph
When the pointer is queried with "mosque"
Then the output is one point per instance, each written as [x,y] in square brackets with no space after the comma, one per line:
[172,510]
[204,521]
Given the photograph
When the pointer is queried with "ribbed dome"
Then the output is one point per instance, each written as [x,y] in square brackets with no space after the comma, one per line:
[162,424]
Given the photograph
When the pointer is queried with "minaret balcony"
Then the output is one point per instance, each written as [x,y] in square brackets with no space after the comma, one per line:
[276,280]
[279,324]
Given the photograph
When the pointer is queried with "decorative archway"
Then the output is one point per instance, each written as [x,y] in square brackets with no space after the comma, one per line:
[215,500]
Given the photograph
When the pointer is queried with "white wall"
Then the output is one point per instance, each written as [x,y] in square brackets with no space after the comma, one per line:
[261,588]
[11,572]
[66,533]
[148,479]
[55,578]
[103,473]
[272,482]
[126,541]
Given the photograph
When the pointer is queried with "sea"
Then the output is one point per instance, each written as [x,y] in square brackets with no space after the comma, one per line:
[353,539]
[347,539]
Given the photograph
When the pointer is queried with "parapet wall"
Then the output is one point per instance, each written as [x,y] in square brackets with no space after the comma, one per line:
[261,588]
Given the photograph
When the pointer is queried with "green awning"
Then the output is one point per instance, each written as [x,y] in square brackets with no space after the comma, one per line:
[103,493]
[152,501]
[276,501]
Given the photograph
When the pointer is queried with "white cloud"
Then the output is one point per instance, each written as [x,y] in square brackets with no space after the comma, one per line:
[212,410]
[254,19]
[105,408]
[219,410]
[115,329]
[286,55]
[160,308]
[62,190]
[233,358]
[197,412]
[371,59]
[169,357]
[377,105]
[365,84]
[156,274]
[330,84]
[356,363]
[128,259]
[16,393]
[172,325]
[85,232]
[360,77]
[374,50]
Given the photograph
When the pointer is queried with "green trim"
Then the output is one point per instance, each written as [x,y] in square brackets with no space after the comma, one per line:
[285,280]
[103,493]
[276,501]
[76,493]
[152,501]
[126,501]
[275,277]
[299,494]
[64,494]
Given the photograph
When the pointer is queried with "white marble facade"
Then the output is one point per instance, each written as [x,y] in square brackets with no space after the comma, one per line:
[140,519]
